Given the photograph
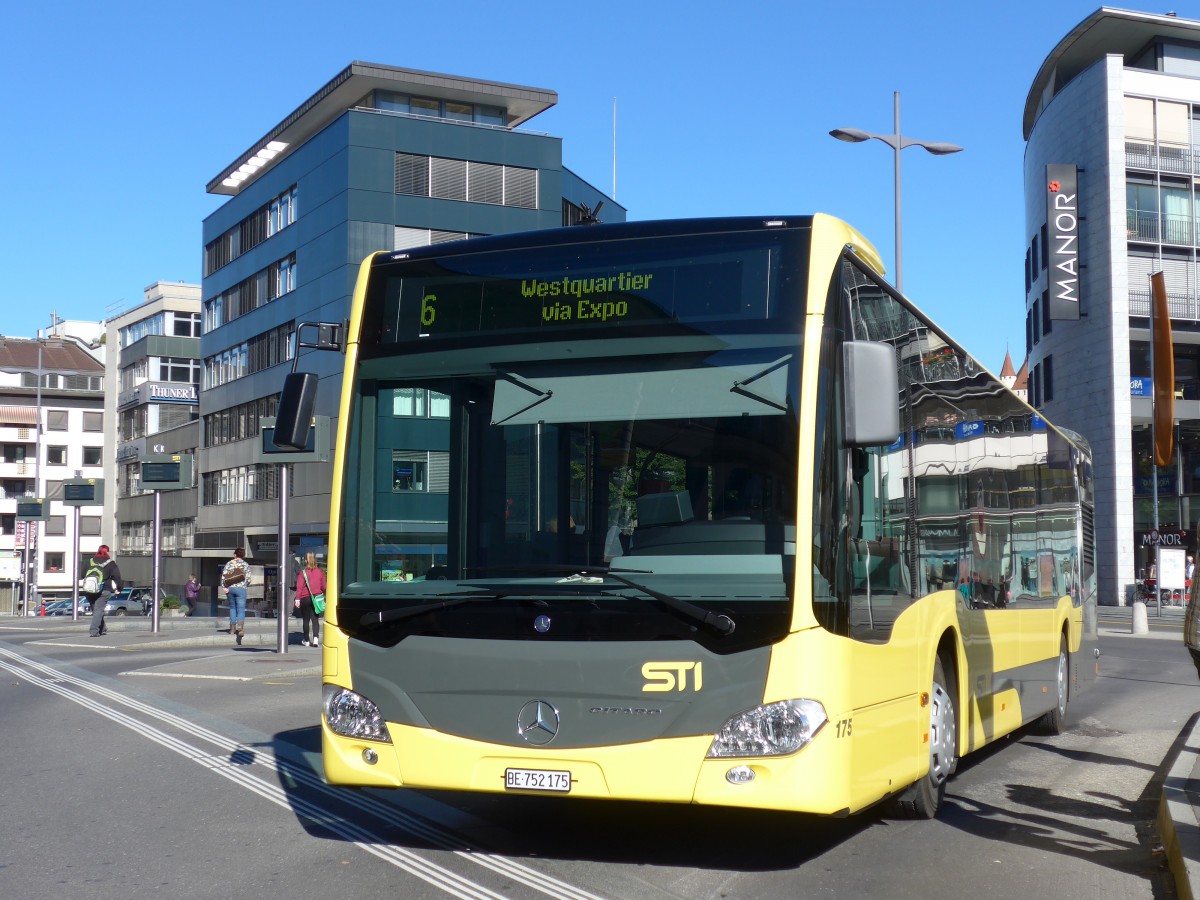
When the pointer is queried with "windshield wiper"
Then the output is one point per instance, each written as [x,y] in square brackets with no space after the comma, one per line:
[540,396]
[396,614]
[486,592]
[739,387]
[718,622]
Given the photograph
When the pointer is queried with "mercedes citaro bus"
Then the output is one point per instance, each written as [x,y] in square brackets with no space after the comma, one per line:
[696,511]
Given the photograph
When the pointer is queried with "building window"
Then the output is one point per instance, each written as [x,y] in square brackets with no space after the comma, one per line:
[456,179]
[241,485]
[1047,379]
[56,420]
[93,421]
[281,277]
[420,403]
[412,174]
[447,178]
[131,334]
[180,370]
[56,526]
[237,422]
[1047,322]
[485,183]
[520,187]
[1141,215]
[404,238]
[53,561]
[1036,318]
[282,212]
[89,525]
[56,456]
[251,231]
[409,470]
[186,325]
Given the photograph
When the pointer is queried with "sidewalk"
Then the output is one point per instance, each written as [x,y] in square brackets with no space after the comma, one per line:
[1179,809]
[256,658]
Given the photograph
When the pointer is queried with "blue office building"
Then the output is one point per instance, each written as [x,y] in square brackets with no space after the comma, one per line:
[380,158]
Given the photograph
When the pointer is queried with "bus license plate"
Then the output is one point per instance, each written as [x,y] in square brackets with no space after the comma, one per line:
[537,780]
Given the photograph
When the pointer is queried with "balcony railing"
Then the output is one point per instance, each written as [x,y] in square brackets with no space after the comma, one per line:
[1162,157]
[1180,307]
[1158,228]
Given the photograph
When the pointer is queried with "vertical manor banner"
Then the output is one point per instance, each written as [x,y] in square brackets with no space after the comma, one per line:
[1062,229]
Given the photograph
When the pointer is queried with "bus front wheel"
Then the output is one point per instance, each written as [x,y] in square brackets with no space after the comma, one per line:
[1055,721]
[922,800]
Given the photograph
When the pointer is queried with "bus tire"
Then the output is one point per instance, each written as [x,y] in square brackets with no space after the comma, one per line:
[1055,721]
[922,800]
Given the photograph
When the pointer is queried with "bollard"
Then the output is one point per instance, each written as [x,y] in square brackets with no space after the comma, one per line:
[1138,624]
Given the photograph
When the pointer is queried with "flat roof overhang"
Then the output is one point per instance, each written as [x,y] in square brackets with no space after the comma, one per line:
[351,85]
[1105,31]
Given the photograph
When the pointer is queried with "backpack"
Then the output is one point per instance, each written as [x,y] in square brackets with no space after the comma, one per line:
[93,578]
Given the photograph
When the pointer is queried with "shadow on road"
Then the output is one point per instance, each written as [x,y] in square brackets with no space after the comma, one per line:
[556,828]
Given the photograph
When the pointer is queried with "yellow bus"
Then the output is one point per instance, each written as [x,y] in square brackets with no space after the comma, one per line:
[695,511]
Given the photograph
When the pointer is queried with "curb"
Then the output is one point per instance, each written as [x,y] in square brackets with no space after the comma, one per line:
[1178,827]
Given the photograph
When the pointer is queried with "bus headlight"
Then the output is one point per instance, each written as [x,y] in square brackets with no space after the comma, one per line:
[353,715]
[776,729]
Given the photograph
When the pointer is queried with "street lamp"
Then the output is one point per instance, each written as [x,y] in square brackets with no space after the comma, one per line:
[897,142]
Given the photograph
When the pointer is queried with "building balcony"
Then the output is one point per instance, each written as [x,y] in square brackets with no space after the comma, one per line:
[17,435]
[1159,228]
[24,469]
[1180,307]
[1173,158]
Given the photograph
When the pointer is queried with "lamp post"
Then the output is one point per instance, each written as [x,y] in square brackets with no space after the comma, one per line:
[897,142]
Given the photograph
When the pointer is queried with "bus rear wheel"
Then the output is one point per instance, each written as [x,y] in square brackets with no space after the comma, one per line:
[922,800]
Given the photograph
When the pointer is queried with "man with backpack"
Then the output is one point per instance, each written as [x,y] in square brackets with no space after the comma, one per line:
[101,580]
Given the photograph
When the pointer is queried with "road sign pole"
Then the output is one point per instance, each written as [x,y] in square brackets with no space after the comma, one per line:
[75,571]
[283,554]
[157,556]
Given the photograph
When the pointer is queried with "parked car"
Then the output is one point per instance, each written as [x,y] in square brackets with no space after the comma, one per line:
[132,601]
[63,608]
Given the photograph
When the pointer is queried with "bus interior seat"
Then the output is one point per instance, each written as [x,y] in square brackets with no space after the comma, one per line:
[670,508]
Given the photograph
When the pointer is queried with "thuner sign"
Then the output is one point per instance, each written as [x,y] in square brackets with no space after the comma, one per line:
[1062,229]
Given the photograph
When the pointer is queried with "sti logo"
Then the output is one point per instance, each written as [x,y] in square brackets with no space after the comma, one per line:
[671,676]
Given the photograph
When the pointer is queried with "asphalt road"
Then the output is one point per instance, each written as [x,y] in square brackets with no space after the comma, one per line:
[122,779]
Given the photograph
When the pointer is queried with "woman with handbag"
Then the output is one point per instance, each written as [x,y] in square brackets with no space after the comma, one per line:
[310,597]
[235,578]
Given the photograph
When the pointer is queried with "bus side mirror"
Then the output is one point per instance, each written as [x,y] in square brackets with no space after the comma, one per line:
[293,412]
[871,399]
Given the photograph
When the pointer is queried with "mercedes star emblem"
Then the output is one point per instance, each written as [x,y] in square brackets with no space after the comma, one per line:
[537,722]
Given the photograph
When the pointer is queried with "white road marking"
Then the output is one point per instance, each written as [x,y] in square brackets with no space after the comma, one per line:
[233,764]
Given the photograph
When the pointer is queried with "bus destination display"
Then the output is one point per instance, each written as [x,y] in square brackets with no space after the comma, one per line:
[423,306]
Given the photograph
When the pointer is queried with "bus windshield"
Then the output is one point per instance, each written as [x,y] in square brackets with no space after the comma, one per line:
[522,484]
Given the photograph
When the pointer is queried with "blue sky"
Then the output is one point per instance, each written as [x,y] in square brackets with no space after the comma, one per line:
[117,116]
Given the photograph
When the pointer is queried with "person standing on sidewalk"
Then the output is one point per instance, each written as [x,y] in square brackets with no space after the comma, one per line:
[235,578]
[310,583]
[191,594]
[101,580]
